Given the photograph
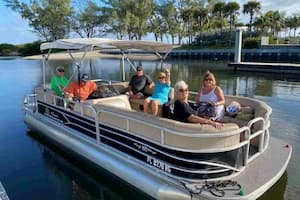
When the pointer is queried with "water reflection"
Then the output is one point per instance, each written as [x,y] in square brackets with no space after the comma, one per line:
[250,84]
[83,179]
[278,190]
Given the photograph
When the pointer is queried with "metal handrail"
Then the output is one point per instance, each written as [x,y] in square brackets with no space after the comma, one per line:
[175,157]
[193,161]
[200,135]
[245,129]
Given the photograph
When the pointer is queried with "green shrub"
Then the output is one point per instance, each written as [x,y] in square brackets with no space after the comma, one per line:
[30,49]
[251,43]
[8,49]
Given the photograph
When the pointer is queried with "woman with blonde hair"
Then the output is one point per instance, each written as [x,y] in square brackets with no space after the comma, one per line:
[211,94]
[160,94]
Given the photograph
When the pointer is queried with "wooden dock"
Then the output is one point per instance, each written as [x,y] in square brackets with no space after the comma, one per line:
[283,68]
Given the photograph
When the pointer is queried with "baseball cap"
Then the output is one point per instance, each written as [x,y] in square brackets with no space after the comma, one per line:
[60,69]
[139,68]
[84,77]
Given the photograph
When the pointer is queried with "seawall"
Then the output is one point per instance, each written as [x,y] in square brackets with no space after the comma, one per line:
[271,53]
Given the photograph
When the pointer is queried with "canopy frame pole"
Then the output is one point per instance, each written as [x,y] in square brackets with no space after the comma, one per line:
[45,61]
[162,57]
[78,65]
[166,55]
[123,68]
[124,56]
[158,55]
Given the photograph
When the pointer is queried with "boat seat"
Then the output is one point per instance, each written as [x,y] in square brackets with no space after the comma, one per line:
[120,102]
[121,87]
[256,108]
[137,104]
[175,134]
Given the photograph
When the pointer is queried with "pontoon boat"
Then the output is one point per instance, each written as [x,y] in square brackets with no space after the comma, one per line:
[164,158]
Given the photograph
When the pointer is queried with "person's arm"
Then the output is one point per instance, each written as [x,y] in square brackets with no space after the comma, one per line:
[196,119]
[168,78]
[52,83]
[69,91]
[94,86]
[220,96]
[149,82]
[198,96]
[130,91]
[151,85]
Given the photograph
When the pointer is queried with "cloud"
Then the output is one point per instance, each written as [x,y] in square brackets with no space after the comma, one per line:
[288,6]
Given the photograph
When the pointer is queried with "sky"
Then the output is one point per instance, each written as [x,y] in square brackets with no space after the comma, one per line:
[15,30]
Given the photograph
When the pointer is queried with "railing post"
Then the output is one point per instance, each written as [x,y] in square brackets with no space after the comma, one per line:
[97,125]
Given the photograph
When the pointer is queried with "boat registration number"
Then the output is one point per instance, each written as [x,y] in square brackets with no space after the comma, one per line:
[158,164]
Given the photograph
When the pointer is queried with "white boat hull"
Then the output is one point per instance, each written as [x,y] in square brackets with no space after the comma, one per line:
[126,169]
[256,179]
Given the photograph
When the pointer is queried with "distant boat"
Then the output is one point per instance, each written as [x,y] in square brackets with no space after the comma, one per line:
[164,158]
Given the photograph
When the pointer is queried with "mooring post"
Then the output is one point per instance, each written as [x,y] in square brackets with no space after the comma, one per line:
[238,43]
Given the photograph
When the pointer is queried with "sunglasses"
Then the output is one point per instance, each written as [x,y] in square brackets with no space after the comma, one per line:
[139,70]
[161,77]
[61,70]
[183,90]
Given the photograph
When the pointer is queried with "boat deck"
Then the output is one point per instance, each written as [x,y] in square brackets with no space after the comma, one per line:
[260,174]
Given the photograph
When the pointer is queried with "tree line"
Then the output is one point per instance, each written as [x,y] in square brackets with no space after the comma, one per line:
[134,19]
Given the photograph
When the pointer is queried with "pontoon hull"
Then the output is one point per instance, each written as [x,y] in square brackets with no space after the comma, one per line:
[155,184]
[109,160]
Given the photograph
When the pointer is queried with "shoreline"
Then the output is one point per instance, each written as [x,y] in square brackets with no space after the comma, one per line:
[92,54]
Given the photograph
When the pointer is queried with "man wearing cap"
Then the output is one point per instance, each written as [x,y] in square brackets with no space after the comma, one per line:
[82,89]
[138,83]
[160,94]
[59,81]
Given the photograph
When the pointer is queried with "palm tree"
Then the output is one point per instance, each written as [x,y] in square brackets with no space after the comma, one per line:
[251,8]
[232,10]
[187,16]
[201,17]
[277,22]
[173,20]
[262,23]
[219,10]
[295,23]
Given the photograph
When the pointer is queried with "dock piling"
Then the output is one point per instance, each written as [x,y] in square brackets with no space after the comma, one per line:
[238,43]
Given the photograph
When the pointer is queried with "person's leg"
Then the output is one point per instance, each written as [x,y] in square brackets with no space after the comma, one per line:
[146,105]
[154,107]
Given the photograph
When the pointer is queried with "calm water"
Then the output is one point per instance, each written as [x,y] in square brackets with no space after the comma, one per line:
[33,169]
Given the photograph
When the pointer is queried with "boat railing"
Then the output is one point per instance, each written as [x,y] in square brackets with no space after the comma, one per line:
[30,102]
[165,130]
[245,134]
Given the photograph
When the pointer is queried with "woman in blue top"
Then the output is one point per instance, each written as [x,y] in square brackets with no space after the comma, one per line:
[160,94]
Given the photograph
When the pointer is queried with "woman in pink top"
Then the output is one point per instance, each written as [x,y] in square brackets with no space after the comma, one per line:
[213,94]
